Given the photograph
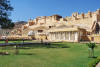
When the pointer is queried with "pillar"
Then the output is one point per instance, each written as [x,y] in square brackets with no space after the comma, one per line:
[64,35]
[59,35]
[76,36]
[69,35]
[53,36]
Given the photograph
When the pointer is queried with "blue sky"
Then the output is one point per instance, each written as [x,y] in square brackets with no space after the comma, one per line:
[26,9]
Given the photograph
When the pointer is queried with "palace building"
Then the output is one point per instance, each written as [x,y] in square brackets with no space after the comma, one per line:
[76,28]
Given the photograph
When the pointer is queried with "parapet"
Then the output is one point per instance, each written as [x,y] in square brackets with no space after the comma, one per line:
[98,11]
[63,19]
[75,14]
[89,14]
[82,15]
[31,22]
[56,15]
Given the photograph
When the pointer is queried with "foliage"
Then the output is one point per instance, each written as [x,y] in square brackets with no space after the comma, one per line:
[91,49]
[5,8]
[91,45]
[94,62]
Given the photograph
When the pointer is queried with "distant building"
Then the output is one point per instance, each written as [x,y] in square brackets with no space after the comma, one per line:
[76,28]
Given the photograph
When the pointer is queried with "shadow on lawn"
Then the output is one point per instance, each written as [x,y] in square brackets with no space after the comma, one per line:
[18,53]
[25,54]
[32,46]
[43,45]
[93,57]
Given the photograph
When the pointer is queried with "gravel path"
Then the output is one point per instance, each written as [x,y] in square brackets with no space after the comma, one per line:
[98,65]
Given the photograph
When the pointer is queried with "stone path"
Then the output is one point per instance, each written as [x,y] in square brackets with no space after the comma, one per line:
[11,44]
[25,43]
[98,65]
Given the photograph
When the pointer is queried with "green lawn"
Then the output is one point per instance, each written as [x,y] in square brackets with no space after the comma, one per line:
[76,55]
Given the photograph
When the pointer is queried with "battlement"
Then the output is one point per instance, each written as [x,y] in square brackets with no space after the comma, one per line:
[44,19]
[77,16]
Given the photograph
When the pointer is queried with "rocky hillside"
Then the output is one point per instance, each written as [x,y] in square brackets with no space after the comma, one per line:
[19,24]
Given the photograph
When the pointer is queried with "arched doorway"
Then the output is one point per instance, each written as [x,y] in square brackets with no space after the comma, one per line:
[31,34]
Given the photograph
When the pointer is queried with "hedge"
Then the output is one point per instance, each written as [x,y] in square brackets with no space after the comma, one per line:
[94,62]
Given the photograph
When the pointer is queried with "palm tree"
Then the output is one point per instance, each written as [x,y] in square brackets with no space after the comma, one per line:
[91,49]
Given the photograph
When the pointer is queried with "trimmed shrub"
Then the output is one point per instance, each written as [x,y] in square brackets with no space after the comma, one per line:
[94,62]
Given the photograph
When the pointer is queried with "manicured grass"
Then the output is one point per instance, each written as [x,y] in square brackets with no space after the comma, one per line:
[75,55]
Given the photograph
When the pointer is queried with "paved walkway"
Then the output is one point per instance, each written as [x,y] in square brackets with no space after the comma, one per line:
[12,44]
[25,43]
[98,65]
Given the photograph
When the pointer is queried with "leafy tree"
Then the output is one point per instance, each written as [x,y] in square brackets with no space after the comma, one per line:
[5,9]
[91,49]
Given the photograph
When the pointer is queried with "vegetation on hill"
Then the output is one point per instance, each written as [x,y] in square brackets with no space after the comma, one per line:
[19,24]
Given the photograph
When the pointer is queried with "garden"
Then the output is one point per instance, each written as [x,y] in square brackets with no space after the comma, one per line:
[60,54]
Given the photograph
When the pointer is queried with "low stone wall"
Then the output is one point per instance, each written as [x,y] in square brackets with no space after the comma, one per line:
[39,37]
[96,38]
[15,38]
[91,38]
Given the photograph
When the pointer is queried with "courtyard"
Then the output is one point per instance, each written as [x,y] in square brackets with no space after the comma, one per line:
[60,54]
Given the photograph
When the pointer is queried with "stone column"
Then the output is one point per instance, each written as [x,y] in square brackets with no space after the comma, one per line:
[76,36]
[64,35]
[69,35]
[59,35]
[50,37]
[53,35]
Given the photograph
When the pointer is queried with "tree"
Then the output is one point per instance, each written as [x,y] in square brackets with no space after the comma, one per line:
[91,49]
[5,9]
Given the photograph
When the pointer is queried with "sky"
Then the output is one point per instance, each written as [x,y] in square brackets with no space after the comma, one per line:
[30,9]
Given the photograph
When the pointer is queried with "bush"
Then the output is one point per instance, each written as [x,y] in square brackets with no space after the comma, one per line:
[94,62]
[91,49]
